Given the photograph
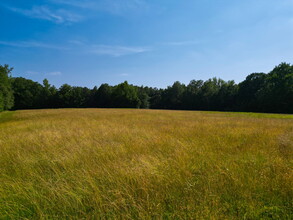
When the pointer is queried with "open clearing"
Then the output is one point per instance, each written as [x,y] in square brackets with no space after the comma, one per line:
[130,164]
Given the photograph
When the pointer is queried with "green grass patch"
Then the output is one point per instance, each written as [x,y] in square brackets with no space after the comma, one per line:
[6,116]
[253,114]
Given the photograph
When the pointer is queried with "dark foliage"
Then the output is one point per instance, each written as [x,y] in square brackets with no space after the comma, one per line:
[6,93]
[259,92]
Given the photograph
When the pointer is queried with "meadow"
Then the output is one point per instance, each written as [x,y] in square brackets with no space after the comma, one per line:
[145,164]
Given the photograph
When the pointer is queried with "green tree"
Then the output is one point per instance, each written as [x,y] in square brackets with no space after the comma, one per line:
[125,96]
[103,96]
[79,97]
[65,96]
[27,93]
[143,97]
[173,96]
[155,97]
[277,93]
[209,92]
[49,95]
[6,92]
[248,94]
[192,94]
[226,97]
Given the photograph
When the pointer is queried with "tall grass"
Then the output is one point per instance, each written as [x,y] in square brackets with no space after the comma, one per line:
[145,164]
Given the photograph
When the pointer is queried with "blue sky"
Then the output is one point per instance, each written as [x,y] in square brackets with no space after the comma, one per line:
[146,42]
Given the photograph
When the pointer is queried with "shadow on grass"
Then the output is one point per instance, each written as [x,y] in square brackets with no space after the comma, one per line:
[253,114]
[6,116]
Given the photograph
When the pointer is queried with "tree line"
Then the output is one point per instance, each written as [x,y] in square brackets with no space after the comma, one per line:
[259,92]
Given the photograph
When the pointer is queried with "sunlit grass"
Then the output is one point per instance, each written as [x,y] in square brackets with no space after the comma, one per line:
[143,164]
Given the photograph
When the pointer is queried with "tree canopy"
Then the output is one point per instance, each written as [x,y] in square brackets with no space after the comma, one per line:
[259,92]
[6,93]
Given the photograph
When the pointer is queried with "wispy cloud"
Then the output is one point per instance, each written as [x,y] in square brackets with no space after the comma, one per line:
[29,73]
[123,74]
[56,73]
[116,51]
[111,6]
[43,12]
[30,44]
[89,4]
[181,43]
[76,42]
[108,50]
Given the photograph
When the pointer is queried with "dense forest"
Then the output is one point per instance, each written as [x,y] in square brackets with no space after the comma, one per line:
[259,92]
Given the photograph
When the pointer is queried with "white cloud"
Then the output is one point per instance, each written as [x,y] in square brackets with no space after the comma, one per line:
[117,7]
[124,74]
[76,42]
[56,73]
[43,12]
[29,73]
[29,44]
[77,3]
[108,50]
[116,51]
[181,43]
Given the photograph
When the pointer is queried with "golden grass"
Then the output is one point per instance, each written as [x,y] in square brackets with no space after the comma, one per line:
[145,164]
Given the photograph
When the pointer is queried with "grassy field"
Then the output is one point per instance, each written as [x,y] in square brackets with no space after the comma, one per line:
[145,164]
